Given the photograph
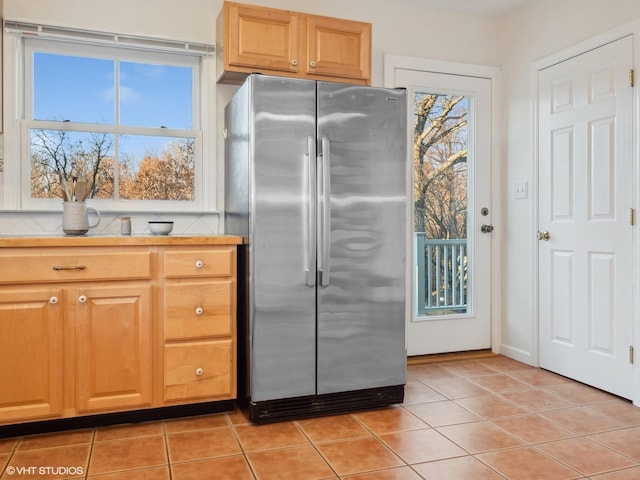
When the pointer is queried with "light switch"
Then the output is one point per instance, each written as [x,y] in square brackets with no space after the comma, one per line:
[521,190]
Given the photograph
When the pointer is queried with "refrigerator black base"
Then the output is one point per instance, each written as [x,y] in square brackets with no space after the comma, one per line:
[327,404]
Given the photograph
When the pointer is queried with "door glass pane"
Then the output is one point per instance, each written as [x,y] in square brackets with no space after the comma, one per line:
[440,156]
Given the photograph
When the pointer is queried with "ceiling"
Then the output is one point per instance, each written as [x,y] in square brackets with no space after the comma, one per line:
[487,8]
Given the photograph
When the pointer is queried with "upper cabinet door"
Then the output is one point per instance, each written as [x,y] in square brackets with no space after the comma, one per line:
[262,37]
[337,47]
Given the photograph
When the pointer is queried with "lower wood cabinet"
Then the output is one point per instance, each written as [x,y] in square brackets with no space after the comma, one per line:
[31,353]
[114,343]
[79,338]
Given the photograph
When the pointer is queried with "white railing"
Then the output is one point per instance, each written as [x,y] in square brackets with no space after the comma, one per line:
[441,275]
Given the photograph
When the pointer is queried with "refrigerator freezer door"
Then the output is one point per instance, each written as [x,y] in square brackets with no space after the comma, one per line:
[361,295]
[282,252]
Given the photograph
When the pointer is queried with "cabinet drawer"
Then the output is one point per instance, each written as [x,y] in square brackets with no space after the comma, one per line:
[73,265]
[199,262]
[197,310]
[198,370]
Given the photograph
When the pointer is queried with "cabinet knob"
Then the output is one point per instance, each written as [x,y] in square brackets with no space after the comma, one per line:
[294,62]
[53,300]
[199,372]
[82,298]
[313,64]
[199,311]
[199,264]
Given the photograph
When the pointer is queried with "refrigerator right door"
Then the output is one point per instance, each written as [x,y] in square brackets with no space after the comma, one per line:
[362,210]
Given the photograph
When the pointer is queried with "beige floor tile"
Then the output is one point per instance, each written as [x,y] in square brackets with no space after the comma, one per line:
[621,410]
[527,464]
[127,454]
[457,469]
[154,473]
[70,460]
[505,364]
[438,414]
[479,437]
[538,400]
[579,394]
[501,383]
[335,427]
[429,372]
[491,406]
[539,378]
[400,473]
[469,368]
[74,437]
[254,438]
[358,456]
[458,388]
[419,446]
[626,474]
[296,463]
[418,392]
[583,420]
[390,420]
[7,445]
[533,429]
[118,432]
[626,441]
[196,423]
[200,444]
[226,468]
[586,456]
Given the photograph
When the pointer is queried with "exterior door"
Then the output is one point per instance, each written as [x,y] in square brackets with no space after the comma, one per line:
[450,129]
[585,233]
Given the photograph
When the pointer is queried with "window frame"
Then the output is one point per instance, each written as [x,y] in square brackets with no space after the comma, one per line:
[26,46]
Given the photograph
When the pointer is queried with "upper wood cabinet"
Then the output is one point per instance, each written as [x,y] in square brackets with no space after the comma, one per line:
[280,42]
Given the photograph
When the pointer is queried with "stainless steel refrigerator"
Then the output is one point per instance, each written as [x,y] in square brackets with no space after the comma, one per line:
[316,183]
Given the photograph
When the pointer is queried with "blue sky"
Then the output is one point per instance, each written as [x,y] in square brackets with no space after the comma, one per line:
[82,89]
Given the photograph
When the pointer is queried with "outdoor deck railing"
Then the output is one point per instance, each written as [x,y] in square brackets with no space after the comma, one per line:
[441,275]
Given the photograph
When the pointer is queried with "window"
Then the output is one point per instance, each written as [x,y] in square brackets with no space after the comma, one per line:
[125,120]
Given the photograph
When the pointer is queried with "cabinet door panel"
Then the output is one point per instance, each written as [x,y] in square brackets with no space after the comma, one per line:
[199,370]
[197,310]
[340,48]
[262,37]
[30,353]
[114,347]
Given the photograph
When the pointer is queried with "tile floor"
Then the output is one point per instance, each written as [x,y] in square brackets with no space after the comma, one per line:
[482,419]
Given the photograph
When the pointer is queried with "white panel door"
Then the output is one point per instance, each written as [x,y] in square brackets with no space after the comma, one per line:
[585,233]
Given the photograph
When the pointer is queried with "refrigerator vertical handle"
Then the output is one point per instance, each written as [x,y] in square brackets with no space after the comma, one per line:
[325,220]
[310,214]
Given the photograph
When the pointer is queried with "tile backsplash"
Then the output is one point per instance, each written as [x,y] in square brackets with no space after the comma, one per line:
[50,223]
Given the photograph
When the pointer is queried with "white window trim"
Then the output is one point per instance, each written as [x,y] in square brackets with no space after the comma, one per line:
[16,191]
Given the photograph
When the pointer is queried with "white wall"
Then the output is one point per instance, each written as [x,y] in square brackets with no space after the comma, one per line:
[398,28]
[540,29]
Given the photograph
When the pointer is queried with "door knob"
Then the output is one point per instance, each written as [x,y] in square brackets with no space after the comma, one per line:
[544,236]
[486,228]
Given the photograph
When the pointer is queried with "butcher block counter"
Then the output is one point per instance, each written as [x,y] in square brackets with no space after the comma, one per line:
[101,324]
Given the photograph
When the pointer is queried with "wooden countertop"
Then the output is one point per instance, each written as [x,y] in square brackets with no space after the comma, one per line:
[115,240]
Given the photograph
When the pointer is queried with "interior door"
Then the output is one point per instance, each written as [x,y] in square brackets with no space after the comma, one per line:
[452,211]
[585,233]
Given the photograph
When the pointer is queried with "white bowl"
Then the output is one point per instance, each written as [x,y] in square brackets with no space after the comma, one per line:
[160,227]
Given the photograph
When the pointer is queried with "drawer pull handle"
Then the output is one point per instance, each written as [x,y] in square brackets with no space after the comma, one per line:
[199,372]
[82,298]
[199,311]
[53,300]
[199,264]
[69,267]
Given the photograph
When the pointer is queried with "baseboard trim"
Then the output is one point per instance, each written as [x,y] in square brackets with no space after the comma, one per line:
[450,357]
